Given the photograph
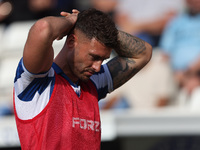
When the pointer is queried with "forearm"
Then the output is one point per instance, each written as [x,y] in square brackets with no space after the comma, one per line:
[133,47]
[133,55]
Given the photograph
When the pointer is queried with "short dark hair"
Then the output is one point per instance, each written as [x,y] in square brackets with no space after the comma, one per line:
[96,24]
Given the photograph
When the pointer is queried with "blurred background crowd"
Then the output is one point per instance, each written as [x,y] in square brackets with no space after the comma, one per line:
[172,78]
[172,27]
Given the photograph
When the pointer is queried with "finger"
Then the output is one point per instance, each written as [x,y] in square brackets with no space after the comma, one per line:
[64,13]
[75,11]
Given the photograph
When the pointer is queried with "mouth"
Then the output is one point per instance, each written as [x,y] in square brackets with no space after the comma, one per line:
[86,76]
[89,74]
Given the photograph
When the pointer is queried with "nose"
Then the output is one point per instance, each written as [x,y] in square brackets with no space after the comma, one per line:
[97,65]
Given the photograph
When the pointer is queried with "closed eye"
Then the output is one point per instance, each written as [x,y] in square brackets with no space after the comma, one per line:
[97,57]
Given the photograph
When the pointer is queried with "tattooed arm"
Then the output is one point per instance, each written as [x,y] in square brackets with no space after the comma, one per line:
[133,55]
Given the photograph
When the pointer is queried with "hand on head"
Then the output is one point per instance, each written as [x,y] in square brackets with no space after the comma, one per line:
[73,15]
[70,16]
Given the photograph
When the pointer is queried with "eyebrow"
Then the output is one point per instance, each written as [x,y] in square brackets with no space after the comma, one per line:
[99,57]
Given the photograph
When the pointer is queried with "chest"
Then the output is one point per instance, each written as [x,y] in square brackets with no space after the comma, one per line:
[84,106]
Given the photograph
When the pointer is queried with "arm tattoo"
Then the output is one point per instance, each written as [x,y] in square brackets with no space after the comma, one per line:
[130,46]
[124,66]
[121,69]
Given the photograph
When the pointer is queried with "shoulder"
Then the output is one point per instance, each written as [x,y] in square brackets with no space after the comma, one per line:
[32,91]
[102,78]
[103,81]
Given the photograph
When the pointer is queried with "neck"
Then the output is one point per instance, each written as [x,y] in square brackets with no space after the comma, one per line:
[62,62]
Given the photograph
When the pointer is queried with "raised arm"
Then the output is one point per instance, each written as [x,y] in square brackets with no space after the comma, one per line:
[133,55]
[38,51]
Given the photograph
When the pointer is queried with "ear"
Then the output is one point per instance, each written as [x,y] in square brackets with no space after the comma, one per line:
[71,40]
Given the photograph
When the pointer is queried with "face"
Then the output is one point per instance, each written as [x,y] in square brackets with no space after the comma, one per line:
[87,57]
[193,5]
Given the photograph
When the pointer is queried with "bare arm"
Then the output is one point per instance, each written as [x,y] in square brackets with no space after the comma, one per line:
[38,51]
[133,55]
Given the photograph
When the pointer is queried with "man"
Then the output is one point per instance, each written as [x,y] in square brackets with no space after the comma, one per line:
[56,100]
[180,44]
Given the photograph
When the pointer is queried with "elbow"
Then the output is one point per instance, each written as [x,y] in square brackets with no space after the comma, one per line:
[42,28]
[148,52]
[146,55]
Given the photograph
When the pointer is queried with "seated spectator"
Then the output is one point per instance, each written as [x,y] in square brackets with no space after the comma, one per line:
[146,19]
[180,43]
